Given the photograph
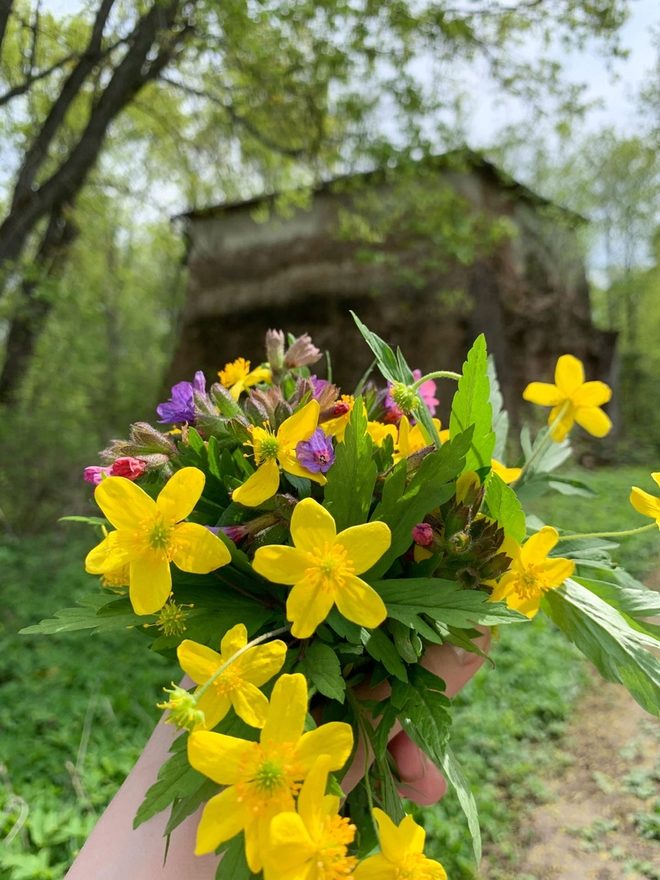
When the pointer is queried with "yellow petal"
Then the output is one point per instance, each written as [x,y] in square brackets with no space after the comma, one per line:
[301,425]
[198,661]
[529,606]
[593,420]
[644,503]
[291,847]
[214,706]
[365,544]
[233,640]
[360,603]
[556,570]
[249,704]
[280,564]
[561,430]
[287,710]
[260,486]
[656,477]
[592,394]
[111,553]
[218,756]
[569,374]
[307,605]
[178,497]
[543,394]
[509,475]
[222,819]
[198,550]
[260,664]
[124,503]
[504,586]
[539,545]
[311,525]
[376,868]
[334,739]
[310,799]
[150,582]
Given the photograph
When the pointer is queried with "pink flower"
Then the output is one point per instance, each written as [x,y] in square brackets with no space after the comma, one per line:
[422,534]
[128,467]
[94,474]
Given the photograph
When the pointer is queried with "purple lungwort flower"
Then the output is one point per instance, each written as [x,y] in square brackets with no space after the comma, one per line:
[319,386]
[94,474]
[317,453]
[181,405]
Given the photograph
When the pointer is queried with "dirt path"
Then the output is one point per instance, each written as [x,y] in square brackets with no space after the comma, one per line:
[599,821]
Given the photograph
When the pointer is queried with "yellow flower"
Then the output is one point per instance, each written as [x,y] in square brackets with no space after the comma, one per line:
[378,432]
[312,843]
[336,427]
[238,377]
[402,853]
[646,504]
[572,399]
[509,475]
[264,777]
[275,451]
[149,535]
[531,572]
[411,439]
[322,567]
[239,684]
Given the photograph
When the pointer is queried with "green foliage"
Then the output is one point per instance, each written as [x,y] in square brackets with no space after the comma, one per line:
[503,505]
[320,665]
[471,406]
[354,466]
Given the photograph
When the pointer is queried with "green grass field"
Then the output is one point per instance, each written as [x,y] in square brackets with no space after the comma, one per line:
[76,709]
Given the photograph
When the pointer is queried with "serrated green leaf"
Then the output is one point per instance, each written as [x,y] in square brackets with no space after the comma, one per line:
[96,613]
[233,865]
[352,477]
[382,649]
[456,778]
[422,709]
[321,667]
[176,780]
[385,357]
[621,654]
[500,415]
[186,806]
[403,506]
[471,406]
[503,505]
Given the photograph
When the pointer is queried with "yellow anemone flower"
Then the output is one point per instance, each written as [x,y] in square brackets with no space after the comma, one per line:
[336,427]
[239,684]
[312,843]
[572,399]
[263,778]
[322,567]
[275,451]
[150,534]
[411,439]
[238,377]
[378,432]
[402,853]
[531,572]
[646,504]
[508,474]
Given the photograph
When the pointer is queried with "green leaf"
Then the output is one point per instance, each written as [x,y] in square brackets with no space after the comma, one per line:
[382,649]
[352,477]
[621,653]
[442,601]
[387,361]
[186,806]
[503,505]
[96,612]
[320,665]
[634,602]
[471,406]
[456,778]
[422,709]
[402,507]
[176,780]
[233,865]
[500,415]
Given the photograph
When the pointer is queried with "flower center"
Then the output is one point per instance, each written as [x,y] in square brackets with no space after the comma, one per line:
[227,681]
[159,534]
[332,862]
[265,445]
[171,620]
[330,566]
[269,774]
[529,583]
[234,372]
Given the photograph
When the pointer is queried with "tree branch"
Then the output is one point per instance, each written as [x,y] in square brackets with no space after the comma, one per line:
[5,11]
[26,85]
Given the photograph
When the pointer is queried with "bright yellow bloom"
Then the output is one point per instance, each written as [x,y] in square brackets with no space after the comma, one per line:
[411,439]
[572,399]
[402,853]
[531,573]
[238,377]
[264,777]
[336,427]
[322,567]
[239,684]
[275,451]
[150,534]
[312,843]
[646,504]
[508,474]
[378,432]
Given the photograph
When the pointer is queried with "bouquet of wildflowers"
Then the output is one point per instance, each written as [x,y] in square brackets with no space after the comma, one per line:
[295,546]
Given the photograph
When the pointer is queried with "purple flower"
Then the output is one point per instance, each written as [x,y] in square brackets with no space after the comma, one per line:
[319,386]
[94,474]
[317,453]
[181,405]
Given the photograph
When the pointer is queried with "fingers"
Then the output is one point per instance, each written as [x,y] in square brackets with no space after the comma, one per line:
[453,665]
[421,781]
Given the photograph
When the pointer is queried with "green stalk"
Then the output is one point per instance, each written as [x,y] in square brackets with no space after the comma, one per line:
[584,536]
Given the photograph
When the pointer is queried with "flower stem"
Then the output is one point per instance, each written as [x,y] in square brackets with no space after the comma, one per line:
[545,442]
[584,536]
[439,374]
[207,684]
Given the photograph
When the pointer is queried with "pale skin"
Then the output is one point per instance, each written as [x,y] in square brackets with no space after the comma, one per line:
[115,851]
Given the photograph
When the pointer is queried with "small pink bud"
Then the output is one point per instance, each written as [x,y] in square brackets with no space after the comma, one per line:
[235,533]
[340,409]
[422,534]
[128,467]
[94,474]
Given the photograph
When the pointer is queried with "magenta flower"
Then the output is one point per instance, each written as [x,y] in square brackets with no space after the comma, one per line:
[128,467]
[422,534]
[317,453]
[180,407]
[95,473]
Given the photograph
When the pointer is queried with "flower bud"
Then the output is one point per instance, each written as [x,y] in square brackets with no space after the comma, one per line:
[128,467]
[301,353]
[275,350]
[422,534]
[95,473]
[183,709]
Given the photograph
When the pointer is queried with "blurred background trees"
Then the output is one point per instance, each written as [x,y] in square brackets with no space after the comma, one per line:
[116,114]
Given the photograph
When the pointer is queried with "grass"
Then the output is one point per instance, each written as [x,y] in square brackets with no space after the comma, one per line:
[76,709]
